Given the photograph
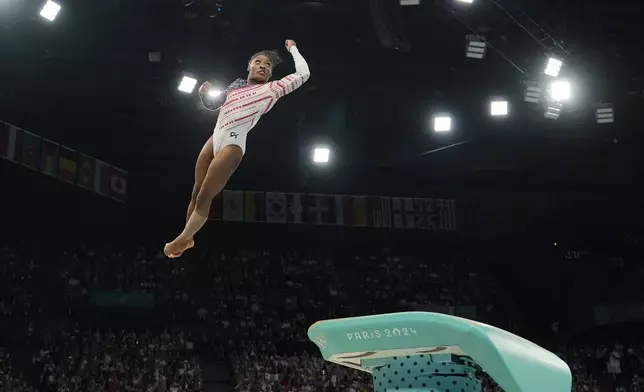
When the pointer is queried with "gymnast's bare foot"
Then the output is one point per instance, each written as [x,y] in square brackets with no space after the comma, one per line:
[176,248]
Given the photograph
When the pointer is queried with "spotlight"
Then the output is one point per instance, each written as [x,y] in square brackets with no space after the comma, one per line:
[499,108]
[466,1]
[532,92]
[475,47]
[442,123]
[553,67]
[560,90]
[604,114]
[321,154]
[50,10]
[553,111]
[405,3]
[187,84]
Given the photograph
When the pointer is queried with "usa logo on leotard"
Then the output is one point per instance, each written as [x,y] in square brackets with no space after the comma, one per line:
[234,134]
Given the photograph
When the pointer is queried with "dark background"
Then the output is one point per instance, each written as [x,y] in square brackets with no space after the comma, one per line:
[85,81]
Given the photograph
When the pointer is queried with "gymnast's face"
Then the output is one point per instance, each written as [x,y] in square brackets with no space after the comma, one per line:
[260,69]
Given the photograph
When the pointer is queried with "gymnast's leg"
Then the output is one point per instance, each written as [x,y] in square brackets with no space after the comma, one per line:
[201,168]
[221,168]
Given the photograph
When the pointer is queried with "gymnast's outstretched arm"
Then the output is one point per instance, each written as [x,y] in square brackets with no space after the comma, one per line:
[292,82]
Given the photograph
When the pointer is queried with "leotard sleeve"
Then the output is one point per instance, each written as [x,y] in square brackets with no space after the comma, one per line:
[292,82]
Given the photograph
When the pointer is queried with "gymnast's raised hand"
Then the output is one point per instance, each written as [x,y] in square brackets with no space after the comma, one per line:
[240,106]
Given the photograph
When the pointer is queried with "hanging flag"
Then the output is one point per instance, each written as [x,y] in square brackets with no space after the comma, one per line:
[275,207]
[398,211]
[7,140]
[217,208]
[110,181]
[67,159]
[379,211]
[430,213]
[233,206]
[29,150]
[409,213]
[254,206]
[354,210]
[4,139]
[49,158]
[295,208]
[13,143]
[446,214]
[86,172]
[321,209]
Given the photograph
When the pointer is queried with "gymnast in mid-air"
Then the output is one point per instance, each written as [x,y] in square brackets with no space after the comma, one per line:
[240,107]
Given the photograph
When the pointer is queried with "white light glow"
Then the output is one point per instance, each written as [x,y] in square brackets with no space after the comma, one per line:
[214,93]
[187,84]
[50,10]
[560,90]
[442,124]
[553,67]
[466,1]
[321,154]
[499,108]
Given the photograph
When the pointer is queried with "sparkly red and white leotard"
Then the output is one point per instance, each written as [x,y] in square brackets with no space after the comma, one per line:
[245,106]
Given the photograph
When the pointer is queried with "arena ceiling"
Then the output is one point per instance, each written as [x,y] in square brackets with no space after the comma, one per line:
[87,81]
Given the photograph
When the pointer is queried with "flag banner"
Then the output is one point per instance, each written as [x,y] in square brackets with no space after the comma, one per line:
[354,210]
[4,139]
[49,158]
[295,208]
[67,164]
[29,154]
[446,214]
[321,209]
[276,207]
[254,206]
[409,213]
[110,181]
[233,206]
[217,208]
[7,140]
[86,176]
[378,211]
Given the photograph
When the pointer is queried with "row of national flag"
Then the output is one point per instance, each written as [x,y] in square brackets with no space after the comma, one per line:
[335,210]
[62,162]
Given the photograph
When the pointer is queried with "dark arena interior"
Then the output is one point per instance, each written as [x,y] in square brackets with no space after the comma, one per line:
[450,165]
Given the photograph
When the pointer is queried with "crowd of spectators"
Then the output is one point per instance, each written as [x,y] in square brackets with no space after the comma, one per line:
[259,304]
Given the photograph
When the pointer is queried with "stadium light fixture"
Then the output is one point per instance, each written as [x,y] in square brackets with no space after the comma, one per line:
[560,90]
[532,92]
[499,108]
[553,67]
[442,123]
[475,47]
[553,111]
[465,1]
[407,3]
[50,10]
[605,114]
[321,154]
[187,84]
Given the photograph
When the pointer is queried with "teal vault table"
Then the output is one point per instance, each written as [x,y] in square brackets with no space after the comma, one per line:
[432,352]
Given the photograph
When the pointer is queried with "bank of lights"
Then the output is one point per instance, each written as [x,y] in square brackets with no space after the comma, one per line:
[442,123]
[560,90]
[321,154]
[499,108]
[50,10]
[187,84]
[553,67]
